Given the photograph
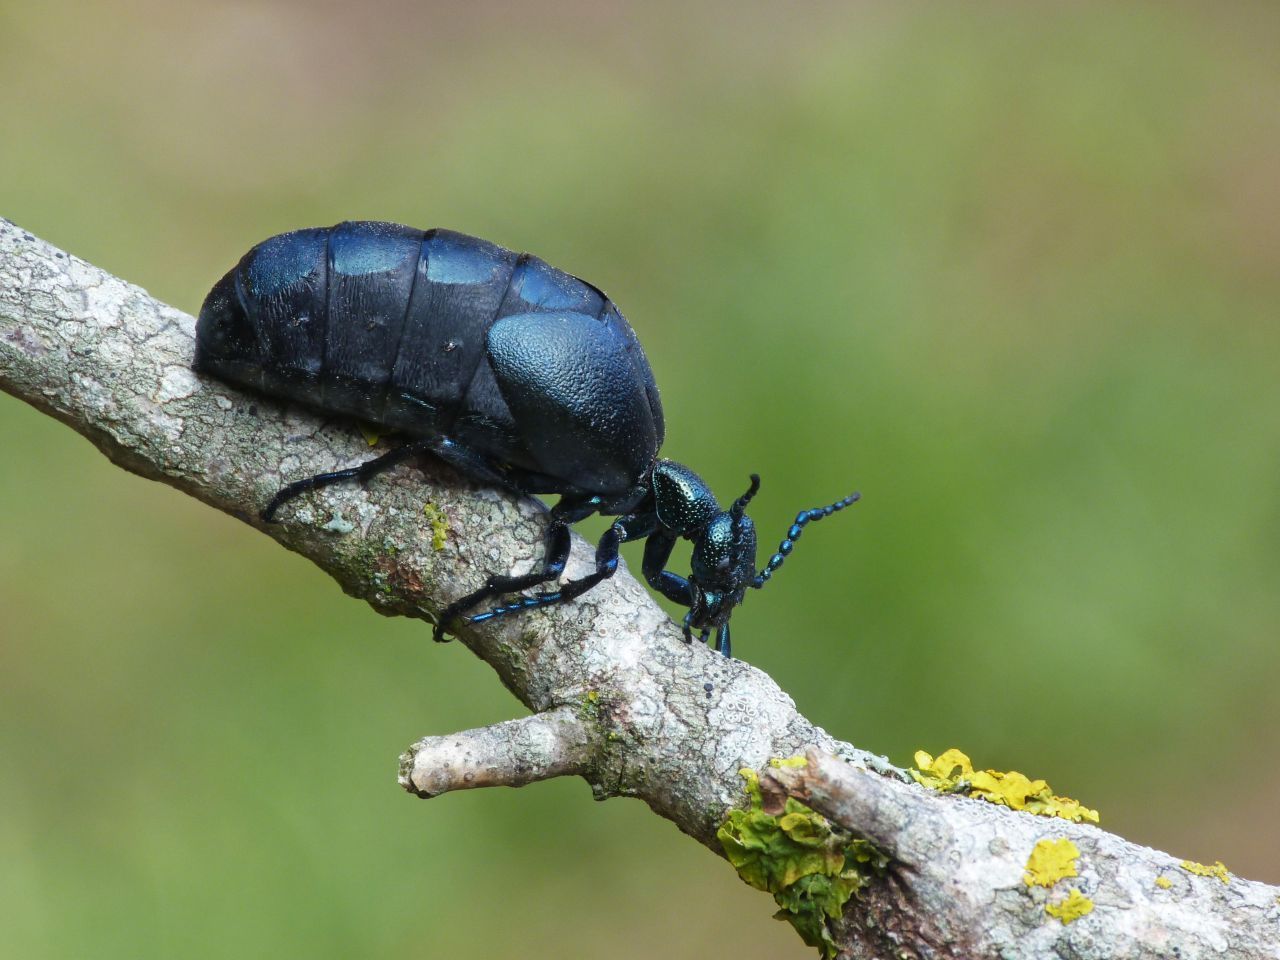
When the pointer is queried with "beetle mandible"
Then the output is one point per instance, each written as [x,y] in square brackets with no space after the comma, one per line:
[515,373]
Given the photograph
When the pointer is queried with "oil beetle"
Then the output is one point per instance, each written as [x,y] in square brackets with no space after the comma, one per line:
[515,373]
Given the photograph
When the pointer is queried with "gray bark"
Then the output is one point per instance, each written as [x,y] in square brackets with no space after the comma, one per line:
[616,696]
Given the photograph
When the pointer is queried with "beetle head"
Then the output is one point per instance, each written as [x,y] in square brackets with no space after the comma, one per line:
[722,568]
[724,556]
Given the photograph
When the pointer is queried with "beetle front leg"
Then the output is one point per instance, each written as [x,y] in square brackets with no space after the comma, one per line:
[722,639]
[677,589]
[657,551]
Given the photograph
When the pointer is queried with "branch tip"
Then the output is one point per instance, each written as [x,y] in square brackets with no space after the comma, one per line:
[509,754]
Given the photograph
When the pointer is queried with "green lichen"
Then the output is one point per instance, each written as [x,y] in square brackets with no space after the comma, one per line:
[439,525]
[367,558]
[367,562]
[338,524]
[507,658]
[811,870]
[589,706]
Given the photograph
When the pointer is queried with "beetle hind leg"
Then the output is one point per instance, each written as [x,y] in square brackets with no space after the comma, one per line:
[363,472]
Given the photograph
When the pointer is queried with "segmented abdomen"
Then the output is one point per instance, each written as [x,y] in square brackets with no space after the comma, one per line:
[387,323]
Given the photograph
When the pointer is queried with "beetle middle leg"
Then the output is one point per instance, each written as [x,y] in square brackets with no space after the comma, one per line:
[630,527]
[606,566]
[558,542]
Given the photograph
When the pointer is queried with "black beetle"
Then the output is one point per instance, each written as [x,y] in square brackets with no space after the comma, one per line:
[515,373]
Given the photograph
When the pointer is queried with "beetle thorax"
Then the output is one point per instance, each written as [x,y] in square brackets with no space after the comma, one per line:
[682,500]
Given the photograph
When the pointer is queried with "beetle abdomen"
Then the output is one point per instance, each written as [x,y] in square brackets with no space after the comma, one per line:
[390,324]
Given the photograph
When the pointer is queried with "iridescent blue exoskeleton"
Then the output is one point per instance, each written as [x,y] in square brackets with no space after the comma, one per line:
[515,373]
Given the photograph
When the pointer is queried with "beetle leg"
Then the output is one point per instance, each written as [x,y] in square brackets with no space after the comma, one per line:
[558,543]
[457,456]
[657,551]
[363,472]
[557,556]
[606,566]
[722,639]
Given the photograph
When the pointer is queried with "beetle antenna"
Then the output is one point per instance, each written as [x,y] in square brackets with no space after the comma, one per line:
[740,504]
[803,518]
[736,513]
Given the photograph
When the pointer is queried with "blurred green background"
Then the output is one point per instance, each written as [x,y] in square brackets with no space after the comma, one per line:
[1012,270]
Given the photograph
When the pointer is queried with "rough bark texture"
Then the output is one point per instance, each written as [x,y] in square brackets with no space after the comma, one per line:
[617,697]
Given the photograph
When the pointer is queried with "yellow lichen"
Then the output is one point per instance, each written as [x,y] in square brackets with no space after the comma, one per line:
[439,525]
[946,772]
[1218,870]
[1163,882]
[796,761]
[1073,908]
[952,771]
[1051,861]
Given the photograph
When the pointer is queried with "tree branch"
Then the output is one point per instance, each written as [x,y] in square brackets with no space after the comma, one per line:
[617,697]
[514,753]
